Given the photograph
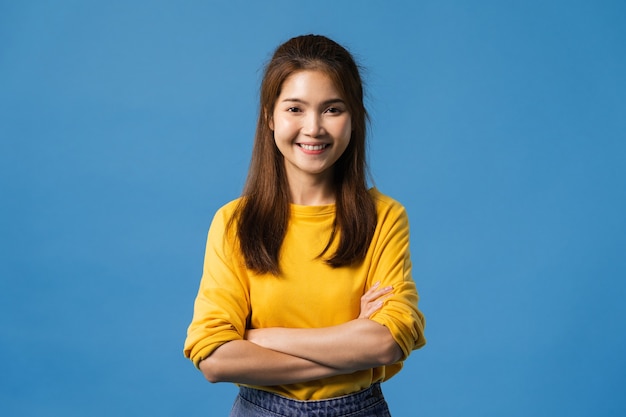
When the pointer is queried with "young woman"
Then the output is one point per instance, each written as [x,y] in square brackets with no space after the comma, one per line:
[306,299]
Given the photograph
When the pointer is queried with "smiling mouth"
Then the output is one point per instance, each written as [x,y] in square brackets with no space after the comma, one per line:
[313,147]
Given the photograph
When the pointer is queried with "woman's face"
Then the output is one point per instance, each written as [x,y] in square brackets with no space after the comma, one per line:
[312,126]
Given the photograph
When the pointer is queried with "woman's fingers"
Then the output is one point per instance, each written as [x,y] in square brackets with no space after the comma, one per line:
[376,292]
[373,299]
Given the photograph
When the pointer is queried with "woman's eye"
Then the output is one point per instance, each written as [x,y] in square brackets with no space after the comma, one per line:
[293,109]
[333,110]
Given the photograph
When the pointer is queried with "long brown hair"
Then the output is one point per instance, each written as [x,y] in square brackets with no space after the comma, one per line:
[263,213]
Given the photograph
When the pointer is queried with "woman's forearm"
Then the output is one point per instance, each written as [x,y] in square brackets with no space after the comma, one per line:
[355,345]
[243,362]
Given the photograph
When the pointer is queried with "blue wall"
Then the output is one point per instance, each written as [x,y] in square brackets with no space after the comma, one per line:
[499,124]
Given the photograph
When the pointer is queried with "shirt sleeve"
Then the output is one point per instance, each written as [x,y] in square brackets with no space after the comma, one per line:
[222,304]
[392,266]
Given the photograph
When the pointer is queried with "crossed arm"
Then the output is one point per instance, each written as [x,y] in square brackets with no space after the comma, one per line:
[275,356]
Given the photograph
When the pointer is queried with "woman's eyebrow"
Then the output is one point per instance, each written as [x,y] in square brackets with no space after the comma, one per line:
[325,103]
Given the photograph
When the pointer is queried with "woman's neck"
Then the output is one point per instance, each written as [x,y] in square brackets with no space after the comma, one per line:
[312,194]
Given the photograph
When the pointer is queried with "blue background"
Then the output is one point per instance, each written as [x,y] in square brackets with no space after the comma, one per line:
[499,124]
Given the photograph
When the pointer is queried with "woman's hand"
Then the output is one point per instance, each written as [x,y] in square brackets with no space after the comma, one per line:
[373,300]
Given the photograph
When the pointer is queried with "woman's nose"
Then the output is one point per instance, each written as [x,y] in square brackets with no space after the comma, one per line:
[312,125]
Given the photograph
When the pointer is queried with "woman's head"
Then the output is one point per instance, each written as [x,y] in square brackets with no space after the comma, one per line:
[314,52]
[311,52]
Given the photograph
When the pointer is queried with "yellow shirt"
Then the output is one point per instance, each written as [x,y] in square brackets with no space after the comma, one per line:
[308,293]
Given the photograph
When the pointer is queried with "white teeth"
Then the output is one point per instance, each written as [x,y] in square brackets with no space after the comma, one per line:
[312,147]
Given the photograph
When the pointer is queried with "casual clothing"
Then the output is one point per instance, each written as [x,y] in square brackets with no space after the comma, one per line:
[367,403]
[308,293]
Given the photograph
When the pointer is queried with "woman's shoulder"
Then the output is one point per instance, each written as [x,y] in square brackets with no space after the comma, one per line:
[230,207]
[385,203]
[225,212]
